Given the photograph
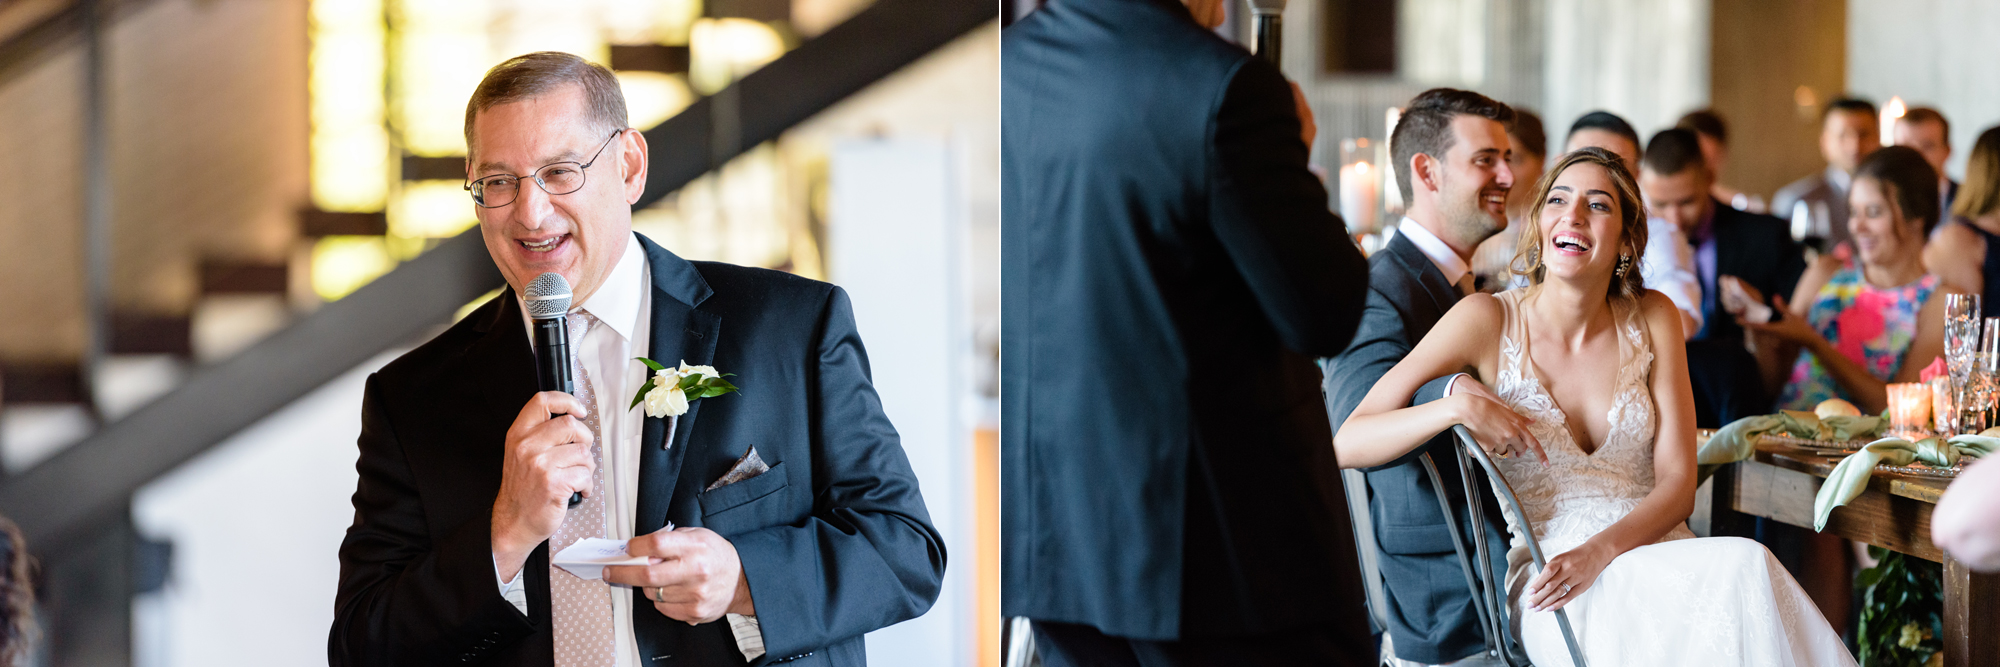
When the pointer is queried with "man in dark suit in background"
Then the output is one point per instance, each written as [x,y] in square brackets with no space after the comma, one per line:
[1451,161]
[1729,244]
[1849,132]
[1926,130]
[1169,271]
[780,527]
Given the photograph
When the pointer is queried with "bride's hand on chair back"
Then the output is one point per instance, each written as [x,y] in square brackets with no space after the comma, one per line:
[1497,428]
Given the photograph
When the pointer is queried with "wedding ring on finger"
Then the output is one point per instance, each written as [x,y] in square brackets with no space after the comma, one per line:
[659,594]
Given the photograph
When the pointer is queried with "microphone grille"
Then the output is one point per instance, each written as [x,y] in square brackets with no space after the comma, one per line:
[547,296]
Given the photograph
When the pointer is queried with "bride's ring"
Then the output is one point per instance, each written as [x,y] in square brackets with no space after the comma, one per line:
[1566,589]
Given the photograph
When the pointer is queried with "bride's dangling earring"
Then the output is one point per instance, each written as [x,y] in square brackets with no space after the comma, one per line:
[1624,264]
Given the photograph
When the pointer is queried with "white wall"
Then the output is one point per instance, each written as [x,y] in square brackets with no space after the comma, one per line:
[1936,53]
[896,242]
[1645,60]
[256,525]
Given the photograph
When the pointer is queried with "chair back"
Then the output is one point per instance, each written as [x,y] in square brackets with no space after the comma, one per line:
[1517,527]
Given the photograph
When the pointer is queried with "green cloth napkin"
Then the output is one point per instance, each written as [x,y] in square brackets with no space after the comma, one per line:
[1738,440]
[1850,477]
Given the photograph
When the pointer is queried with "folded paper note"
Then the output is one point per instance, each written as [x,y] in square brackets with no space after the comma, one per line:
[587,557]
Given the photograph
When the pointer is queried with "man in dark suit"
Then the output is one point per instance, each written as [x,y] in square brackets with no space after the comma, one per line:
[1451,160]
[778,527]
[1926,130]
[1169,270]
[1729,244]
[1849,131]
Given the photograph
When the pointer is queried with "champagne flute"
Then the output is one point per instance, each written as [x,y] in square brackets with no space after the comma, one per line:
[1985,377]
[1961,336]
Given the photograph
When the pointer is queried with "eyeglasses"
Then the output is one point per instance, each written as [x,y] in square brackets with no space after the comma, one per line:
[556,178]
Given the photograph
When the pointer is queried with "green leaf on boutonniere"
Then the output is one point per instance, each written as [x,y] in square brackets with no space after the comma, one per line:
[651,364]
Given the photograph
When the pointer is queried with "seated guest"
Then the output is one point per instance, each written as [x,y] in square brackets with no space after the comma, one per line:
[1727,245]
[1450,161]
[1926,130]
[1848,133]
[1960,252]
[1666,263]
[1853,325]
[1529,147]
[1714,135]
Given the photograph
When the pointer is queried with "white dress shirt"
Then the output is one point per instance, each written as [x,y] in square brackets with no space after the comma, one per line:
[1667,265]
[1447,261]
[608,355]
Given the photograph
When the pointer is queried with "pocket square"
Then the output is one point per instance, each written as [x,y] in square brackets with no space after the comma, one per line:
[747,467]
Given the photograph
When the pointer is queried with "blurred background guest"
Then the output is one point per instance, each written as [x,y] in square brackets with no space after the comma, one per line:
[1926,130]
[1959,253]
[1727,245]
[1144,240]
[1528,149]
[1605,130]
[1855,324]
[1848,133]
[1714,134]
[17,596]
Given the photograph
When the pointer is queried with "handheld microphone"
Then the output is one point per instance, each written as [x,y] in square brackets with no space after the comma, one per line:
[547,298]
[1266,36]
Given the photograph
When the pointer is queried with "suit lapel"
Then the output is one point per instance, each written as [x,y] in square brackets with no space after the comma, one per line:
[1443,295]
[680,332]
[504,360]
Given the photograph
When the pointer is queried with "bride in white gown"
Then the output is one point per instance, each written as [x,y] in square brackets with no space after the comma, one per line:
[1608,483]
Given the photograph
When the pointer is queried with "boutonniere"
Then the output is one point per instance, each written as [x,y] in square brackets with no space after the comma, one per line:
[670,390]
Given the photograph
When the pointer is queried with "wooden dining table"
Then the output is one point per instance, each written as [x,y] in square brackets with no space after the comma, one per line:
[1780,482]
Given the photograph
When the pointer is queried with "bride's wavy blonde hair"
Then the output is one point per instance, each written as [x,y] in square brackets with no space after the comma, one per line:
[1631,214]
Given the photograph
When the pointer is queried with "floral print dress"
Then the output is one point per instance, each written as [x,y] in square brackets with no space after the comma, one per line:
[1872,326]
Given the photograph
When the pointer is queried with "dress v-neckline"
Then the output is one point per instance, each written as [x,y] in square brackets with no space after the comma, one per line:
[1534,374]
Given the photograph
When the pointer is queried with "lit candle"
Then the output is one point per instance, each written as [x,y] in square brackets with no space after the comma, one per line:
[1360,196]
[1909,407]
[1890,112]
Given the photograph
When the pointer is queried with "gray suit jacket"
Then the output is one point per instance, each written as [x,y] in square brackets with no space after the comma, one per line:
[1430,609]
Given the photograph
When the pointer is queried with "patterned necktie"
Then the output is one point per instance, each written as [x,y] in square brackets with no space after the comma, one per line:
[580,609]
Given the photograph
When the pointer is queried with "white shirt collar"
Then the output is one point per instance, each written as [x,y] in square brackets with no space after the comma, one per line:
[1839,178]
[617,302]
[1447,260]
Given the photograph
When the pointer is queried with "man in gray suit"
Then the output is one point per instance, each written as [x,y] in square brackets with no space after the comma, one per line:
[1451,150]
[1849,131]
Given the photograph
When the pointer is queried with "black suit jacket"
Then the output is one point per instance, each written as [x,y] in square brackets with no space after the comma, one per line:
[1168,269]
[1429,607]
[834,539]
[1758,249]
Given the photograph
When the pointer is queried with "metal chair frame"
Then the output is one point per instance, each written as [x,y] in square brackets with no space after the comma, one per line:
[1487,595]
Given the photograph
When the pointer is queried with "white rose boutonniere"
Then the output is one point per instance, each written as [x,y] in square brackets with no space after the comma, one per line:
[672,389]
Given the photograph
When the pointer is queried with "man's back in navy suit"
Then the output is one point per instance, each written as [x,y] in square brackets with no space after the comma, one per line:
[1169,269]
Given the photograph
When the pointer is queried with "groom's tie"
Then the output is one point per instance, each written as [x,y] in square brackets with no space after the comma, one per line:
[580,609]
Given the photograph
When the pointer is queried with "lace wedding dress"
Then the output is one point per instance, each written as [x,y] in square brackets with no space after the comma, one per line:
[1707,602]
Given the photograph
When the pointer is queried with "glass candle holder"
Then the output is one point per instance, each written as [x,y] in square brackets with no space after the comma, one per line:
[1360,186]
[1942,407]
[1909,408]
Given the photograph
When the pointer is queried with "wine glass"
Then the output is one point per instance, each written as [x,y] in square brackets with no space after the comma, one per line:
[1985,379]
[1961,336]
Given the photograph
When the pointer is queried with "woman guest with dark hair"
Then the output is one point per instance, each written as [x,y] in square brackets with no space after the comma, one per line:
[1873,318]
[1959,254]
[17,596]
[1714,134]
